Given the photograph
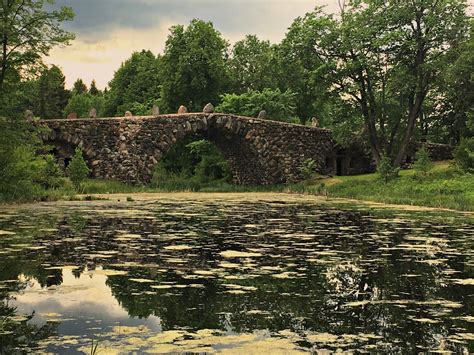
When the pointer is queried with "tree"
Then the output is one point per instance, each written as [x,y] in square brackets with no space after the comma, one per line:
[301,70]
[383,57]
[193,66]
[52,94]
[453,105]
[82,104]
[93,89]
[278,105]
[137,81]
[423,163]
[79,87]
[77,169]
[464,155]
[28,32]
[252,65]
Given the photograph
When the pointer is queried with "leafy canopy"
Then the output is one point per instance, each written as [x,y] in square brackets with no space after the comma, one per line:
[193,67]
[383,58]
[136,82]
[279,105]
[28,31]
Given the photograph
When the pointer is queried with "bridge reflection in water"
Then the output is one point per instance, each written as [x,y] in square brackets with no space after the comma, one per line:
[204,273]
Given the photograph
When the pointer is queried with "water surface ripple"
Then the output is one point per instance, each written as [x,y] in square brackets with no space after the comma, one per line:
[234,275]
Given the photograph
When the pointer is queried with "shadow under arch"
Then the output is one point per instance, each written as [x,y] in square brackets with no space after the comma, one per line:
[238,148]
[62,146]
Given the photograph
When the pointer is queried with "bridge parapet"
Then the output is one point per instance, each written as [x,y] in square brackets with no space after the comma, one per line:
[260,152]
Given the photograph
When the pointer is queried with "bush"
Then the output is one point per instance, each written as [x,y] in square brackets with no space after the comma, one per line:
[386,170]
[464,155]
[423,164]
[77,169]
[307,168]
[50,175]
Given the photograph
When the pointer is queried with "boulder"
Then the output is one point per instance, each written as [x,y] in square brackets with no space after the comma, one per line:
[209,108]
[93,113]
[262,115]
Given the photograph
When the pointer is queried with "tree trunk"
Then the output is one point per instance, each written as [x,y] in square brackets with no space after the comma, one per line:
[412,117]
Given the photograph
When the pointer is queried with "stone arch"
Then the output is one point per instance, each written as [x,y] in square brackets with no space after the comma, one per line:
[231,136]
[63,146]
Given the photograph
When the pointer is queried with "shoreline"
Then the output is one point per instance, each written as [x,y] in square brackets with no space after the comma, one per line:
[248,196]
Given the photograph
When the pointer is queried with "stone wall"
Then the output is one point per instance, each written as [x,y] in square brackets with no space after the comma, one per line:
[260,152]
[437,152]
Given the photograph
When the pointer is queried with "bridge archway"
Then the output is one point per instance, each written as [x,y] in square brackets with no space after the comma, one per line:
[238,149]
[62,147]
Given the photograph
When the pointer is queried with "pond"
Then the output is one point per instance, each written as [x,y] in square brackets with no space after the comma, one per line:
[234,273]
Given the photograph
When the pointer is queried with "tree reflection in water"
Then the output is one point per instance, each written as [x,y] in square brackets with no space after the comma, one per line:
[367,282]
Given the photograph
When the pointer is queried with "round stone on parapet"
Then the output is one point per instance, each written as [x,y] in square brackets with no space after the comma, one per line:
[262,115]
[29,116]
[93,113]
[182,109]
[209,108]
[72,116]
[128,114]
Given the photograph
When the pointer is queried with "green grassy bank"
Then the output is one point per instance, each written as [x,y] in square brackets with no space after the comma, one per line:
[444,187]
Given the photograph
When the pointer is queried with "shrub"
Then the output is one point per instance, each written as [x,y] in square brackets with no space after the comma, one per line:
[77,169]
[50,175]
[464,155]
[386,170]
[423,164]
[307,168]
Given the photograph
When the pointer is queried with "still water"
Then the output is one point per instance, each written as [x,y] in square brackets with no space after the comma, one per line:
[269,273]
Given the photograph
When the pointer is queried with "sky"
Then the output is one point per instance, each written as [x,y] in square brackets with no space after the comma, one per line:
[109,31]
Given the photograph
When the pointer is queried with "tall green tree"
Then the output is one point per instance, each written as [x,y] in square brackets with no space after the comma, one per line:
[28,31]
[453,106]
[52,94]
[384,58]
[193,66]
[300,68]
[79,87]
[278,105]
[83,103]
[252,65]
[93,89]
[135,83]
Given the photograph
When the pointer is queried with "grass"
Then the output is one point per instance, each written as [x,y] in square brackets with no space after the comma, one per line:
[443,187]
[97,186]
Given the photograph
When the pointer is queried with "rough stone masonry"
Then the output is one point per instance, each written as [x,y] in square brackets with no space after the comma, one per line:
[260,152]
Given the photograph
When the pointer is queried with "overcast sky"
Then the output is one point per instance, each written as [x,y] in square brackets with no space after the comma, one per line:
[108,31]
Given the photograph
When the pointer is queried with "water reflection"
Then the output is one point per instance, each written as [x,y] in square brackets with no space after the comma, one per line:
[235,275]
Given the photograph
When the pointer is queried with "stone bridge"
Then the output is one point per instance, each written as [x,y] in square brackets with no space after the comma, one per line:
[259,152]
